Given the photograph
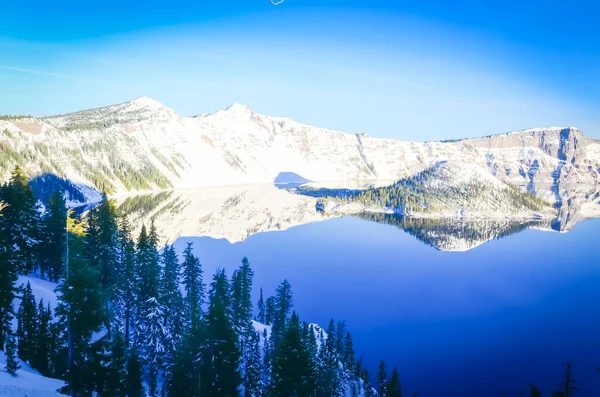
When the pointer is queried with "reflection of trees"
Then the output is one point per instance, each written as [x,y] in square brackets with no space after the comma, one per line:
[443,233]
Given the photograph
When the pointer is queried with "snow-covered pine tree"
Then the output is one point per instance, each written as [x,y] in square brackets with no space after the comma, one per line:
[241,290]
[12,363]
[150,330]
[27,325]
[253,368]
[172,301]
[331,380]
[20,222]
[127,282]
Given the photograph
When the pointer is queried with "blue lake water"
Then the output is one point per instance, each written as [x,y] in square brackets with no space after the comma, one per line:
[485,322]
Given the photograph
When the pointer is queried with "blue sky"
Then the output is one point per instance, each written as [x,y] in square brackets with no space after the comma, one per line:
[407,70]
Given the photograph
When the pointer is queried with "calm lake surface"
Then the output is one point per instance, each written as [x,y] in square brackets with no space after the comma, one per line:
[485,322]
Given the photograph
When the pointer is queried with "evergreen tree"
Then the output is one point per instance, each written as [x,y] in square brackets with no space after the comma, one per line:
[382,379]
[20,222]
[261,317]
[53,233]
[27,325]
[283,305]
[127,282]
[270,310]
[569,386]
[114,384]
[293,374]
[253,385]
[12,364]
[393,388]
[171,300]
[101,249]
[331,377]
[194,287]
[133,377]
[185,374]
[241,289]
[81,308]
[221,356]
[42,357]
[368,390]
[534,392]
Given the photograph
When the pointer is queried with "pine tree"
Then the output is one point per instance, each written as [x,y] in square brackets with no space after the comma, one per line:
[293,373]
[20,222]
[81,307]
[12,364]
[393,388]
[221,357]
[27,325]
[382,379]
[127,282]
[261,317]
[283,305]
[53,246]
[569,385]
[185,374]
[41,360]
[133,377]
[534,392]
[194,287]
[331,377]
[367,386]
[171,300]
[270,310]
[241,288]
[253,385]
[101,250]
[114,382]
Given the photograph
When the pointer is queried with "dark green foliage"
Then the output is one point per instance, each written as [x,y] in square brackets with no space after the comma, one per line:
[283,304]
[221,357]
[331,378]
[52,248]
[241,289]
[171,299]
[194,287]
[20,222]
[12,364]
[394,389]
[382,379]
[534,392]
[421,193]
[45,342]
[261,316]
[27,328]
[133,376]
[293,373]
[126,287]
[253,367]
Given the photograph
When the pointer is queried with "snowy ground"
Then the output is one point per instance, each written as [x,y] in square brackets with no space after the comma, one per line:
[27,382]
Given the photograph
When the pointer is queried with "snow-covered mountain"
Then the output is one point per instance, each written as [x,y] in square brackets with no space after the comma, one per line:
[142,145]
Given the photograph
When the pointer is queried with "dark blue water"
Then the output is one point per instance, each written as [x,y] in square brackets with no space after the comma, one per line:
[486,322]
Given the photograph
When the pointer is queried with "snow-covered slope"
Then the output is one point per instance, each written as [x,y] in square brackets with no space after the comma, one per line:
[446,190]
[142,145]
[27,382]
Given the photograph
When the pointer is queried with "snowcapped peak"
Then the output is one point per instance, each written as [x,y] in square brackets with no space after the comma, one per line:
[238,107]
[145,102]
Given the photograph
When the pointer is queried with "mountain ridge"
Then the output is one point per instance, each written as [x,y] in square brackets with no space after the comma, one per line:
[142,145]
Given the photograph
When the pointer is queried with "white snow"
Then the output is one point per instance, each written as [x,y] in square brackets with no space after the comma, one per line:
[27,382]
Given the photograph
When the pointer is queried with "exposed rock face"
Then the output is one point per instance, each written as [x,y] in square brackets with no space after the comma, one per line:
[142,145]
